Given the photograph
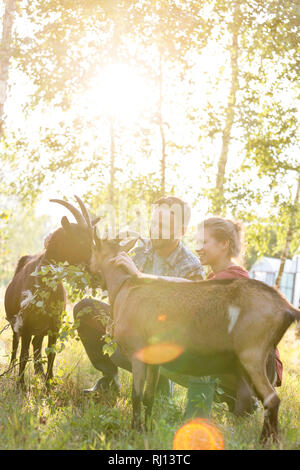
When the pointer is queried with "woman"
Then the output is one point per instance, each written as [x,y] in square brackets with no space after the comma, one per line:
[221,245]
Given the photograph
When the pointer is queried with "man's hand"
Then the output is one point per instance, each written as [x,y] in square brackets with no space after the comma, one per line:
[196,277]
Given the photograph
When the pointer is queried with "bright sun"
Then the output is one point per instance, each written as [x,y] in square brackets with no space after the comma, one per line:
[118,91]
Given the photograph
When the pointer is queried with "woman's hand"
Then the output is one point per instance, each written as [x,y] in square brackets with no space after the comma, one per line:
[123,260]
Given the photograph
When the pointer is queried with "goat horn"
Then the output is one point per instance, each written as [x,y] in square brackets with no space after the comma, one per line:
[77,214]
[85,212]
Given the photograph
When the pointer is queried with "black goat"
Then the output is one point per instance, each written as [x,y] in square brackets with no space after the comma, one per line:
[72,243]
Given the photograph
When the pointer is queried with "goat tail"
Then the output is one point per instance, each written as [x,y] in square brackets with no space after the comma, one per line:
[294,313]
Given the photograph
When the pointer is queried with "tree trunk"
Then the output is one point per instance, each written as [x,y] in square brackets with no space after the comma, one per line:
[112,161]
[5,54]
[162,131]
[230,112]
[289,235]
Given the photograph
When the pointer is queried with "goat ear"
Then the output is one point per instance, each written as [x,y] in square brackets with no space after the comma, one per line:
[95,221]
[65,223]
[128,245]
[97,239]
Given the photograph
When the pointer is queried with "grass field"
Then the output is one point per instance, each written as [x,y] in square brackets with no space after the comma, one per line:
[66,419]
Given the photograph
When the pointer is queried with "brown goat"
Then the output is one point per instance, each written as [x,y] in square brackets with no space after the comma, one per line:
[217,325]
[71,243]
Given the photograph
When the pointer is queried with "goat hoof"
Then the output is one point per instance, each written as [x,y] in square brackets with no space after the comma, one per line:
[263,438]
[267,440]
[105,384]
[21,387]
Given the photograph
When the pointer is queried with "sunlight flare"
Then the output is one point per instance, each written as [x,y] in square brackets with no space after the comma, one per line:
[119,91]
[198,434]
[159,353]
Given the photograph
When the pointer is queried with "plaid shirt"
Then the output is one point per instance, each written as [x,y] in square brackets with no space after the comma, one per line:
[180,263]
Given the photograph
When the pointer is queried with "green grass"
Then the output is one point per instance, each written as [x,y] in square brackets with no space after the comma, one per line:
[66,419]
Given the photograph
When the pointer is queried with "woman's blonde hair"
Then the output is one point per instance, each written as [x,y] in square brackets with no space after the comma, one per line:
[226,229]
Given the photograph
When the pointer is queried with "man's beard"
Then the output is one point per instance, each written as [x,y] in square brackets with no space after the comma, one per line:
[159,243]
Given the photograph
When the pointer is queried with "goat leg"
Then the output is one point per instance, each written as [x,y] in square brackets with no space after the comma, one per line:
[152,376]
[139,376]
[52,338]
[255,367]
[244,402]
[270,427]
[25,340]
[37,348]
[15,344]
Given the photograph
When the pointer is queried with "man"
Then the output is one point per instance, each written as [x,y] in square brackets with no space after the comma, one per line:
[163,254]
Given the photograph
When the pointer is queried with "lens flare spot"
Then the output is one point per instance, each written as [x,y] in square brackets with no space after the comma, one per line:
[162,317]
[159,353]
[198,434]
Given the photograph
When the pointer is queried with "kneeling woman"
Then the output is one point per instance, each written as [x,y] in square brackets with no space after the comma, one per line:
[220,245]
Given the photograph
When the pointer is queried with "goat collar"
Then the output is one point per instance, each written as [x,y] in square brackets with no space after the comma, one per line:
[118,284]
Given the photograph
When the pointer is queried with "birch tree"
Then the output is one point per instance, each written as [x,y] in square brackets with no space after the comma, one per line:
[230,112]
[5,54]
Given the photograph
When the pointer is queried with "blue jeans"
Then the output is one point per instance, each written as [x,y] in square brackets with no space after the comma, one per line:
[200,397]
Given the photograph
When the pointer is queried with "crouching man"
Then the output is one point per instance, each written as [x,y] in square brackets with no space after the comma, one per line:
[164,255]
